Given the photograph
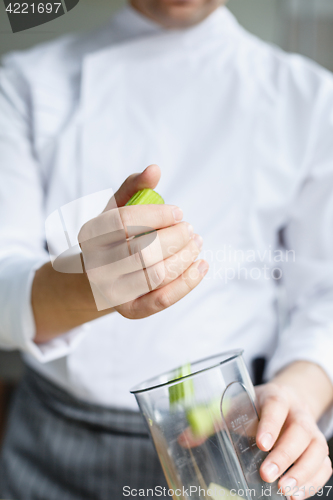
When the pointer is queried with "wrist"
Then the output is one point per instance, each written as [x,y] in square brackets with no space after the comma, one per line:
[307,383]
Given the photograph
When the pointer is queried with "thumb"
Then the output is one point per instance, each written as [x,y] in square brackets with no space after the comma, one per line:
[149,178]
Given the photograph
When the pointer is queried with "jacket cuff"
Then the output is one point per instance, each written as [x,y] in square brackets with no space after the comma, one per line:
[19,325]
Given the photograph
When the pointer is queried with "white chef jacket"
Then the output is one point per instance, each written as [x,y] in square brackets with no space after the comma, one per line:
[243,134]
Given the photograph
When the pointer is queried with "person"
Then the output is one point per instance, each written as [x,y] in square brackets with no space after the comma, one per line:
[241,132]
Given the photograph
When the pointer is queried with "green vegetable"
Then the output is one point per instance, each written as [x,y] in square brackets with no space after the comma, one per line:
[146,197]
[203,417]
[183,391]
[200,421]
[219,492]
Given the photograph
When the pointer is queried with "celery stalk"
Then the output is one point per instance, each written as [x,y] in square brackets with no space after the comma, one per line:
[146,197]
[219,492]
[183,391]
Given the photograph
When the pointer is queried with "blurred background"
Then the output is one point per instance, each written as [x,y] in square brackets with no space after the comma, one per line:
[303,26]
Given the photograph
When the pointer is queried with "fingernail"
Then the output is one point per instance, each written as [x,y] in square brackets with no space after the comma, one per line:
[267,441]
[289,483]
[190,230]
[177,214]
[203,267]
[271,471]
[198,241]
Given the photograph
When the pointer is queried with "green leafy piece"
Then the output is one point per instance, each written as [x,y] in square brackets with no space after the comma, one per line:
[146,197]
[218,492]
[183,391]
[202,418]
[201,421]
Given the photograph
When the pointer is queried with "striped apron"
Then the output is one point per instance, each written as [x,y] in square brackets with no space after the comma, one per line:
[60,448]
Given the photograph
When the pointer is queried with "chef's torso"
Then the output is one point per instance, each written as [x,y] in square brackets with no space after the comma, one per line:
[205,105]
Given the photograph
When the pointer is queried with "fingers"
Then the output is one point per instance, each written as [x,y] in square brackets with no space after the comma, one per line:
[171,241]
[151,216]
[119,287]
[132,255]
[299,447]
[161,299]
[307,466]
[149,178]
[116,225]
[293,442]
[176,265]
[274,411]
[127,287]
[312,486]
[315,484]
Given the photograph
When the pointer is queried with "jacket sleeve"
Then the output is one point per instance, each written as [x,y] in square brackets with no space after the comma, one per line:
[308,266]
[22,239]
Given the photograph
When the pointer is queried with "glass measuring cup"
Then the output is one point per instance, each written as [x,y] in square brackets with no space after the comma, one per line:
[203,421]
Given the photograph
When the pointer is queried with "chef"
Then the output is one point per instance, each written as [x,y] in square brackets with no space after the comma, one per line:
[242,136]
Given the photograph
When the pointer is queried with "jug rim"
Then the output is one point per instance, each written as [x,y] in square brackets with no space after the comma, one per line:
[150,384]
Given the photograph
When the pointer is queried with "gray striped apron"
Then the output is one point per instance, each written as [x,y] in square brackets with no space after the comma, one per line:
[60,448]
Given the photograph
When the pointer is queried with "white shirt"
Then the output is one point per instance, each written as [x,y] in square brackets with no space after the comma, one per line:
[243,134]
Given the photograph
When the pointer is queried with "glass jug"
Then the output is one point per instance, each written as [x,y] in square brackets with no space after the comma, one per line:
[203,421]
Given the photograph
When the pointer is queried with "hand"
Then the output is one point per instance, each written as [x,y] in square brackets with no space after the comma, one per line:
[146,274]
[288,426]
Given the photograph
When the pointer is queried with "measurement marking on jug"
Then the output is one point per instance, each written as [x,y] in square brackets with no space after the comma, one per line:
[242,423]
[239,421]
